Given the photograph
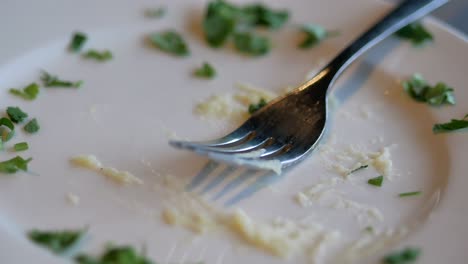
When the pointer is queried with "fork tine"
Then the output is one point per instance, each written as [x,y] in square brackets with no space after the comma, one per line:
[254,144]
[238,136]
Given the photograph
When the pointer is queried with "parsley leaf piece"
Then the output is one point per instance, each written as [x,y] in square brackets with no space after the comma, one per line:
[252,44]
[358,169]
[32,126]
[6,134]
[406,194]
[255,107]
[261,15]
[53,81]
[377,181]
[22,146]
[171,42]
[219,22]
[421,91]
[16,114]
[115,255]
[205,71]
[453,125]
[101,56]
[77,42]
[29,92]
[406,256]
[416,33]
[314,34]
[57,241]
[222,20]
[14,164]
[155,12]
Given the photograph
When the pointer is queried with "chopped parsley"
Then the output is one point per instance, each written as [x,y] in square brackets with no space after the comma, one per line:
[57,241]
[29,92]
[171,42]
[101,56]
[32,126]
[155,12]
[358,169]
[205,71]
[416,33]
[222,20]
[421,91]
[406,194]
[77,42]
[405,256]
[369,229]
[15,164]
[252,44]
[314,34]
[7,129]
[260,15]
[255,107]
[22,146]
[377,181]
[16,114]
[53,81]
[115,255]
[453,125]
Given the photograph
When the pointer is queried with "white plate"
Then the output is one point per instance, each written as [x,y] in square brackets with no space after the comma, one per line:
[142,93]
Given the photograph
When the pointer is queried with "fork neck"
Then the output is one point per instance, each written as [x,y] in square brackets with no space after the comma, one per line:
[404,14]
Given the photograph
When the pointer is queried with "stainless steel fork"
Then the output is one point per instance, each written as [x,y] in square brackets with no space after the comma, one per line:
[283,132]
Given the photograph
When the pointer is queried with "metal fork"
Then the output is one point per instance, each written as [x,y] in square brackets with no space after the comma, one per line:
[283,132]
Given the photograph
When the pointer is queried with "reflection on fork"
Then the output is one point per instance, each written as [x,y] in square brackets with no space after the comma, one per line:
[232,183]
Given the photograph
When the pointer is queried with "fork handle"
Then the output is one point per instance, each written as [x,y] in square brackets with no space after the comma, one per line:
[405,13]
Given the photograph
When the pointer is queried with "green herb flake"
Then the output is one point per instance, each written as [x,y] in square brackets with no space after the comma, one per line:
[115,255]
[377,181]
[453,125]
[419,90]
[171,42]
[252,44]
[22,146]
[101,56]
[406,194]
[57,241]
[369,229]
[255,107]
[32,126]
[77,42]
[13,165]
[155,12]
[405,256]
[358,169]
[416,33]
[260,15]
[16,114]
[314,34]
[222,20]
[29,92]
[7,129]
[205,71]
[2,147]
[53,81]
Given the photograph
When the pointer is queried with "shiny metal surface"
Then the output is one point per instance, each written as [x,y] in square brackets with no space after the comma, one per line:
[290,127]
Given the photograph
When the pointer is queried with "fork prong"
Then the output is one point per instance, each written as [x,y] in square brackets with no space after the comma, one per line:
[253,163]
[238,136]
[246,147]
